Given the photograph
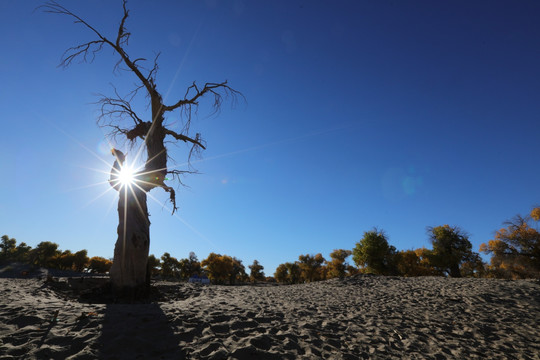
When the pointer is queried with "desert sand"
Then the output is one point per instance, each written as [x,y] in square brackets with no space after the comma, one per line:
[362,317]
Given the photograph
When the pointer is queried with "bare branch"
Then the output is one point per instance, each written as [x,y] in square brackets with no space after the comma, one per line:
[116,131]
[197,141]
[83,50]
[172,197]
[123,35]
[134,92]
[53,7]
[189,105]
[139,59]
[176,175]
[115,110]
[121,40]
[195,149]
[152,73]
[218,90]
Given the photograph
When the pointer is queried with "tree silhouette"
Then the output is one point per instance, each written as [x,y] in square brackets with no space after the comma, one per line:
[128,273]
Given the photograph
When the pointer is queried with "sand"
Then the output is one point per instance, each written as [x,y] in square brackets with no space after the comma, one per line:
[363,317]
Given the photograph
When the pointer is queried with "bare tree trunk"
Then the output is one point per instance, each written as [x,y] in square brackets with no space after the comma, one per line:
[454,270]
[128,272]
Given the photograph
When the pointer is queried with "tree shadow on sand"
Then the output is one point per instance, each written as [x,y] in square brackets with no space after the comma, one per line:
[138,331]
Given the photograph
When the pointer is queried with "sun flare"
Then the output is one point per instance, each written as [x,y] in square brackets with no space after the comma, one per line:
[126,176]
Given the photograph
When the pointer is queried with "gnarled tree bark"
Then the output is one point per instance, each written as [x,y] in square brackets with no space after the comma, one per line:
[128,272]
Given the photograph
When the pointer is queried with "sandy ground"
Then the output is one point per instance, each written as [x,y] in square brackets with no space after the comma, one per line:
[364,317]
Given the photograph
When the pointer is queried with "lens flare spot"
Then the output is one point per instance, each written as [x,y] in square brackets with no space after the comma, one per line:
[104,147]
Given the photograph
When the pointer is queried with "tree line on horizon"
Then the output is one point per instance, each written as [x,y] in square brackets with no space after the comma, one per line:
[220,269]
[515,254]
[47,254]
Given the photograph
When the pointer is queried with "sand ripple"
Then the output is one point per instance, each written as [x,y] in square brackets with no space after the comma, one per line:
[364,317]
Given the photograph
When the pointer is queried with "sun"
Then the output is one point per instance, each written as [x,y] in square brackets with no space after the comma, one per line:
[126,176]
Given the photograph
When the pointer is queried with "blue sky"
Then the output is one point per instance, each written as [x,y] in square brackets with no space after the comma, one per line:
[394,114]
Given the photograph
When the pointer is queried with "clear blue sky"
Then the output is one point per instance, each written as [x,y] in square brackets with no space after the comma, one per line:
[395,114]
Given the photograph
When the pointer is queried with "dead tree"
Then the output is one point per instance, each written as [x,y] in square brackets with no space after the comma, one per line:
[128,273]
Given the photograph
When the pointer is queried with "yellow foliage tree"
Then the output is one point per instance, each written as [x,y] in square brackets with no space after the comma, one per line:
[414,263]
[281,273]
[169,266]
[289,273]
[451,247]
[256,272]
[373,254]
[473,266]
[238,273]
[337,267]
[221,268]
[311,267]
[80,260]
[99,265]
[515,249]
[7,247]
[535,213]
[64,261]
